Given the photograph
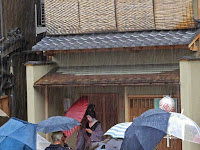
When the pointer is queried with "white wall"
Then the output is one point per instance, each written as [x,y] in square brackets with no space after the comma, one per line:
[190,94]
[35,96]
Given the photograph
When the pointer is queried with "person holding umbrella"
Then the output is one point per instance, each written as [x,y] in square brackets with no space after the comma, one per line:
[94,132]
[89,136]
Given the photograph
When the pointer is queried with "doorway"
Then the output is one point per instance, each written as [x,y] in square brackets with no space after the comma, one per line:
[106,108]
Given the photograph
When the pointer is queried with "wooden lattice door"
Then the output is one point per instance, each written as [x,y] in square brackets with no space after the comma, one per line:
[138,105]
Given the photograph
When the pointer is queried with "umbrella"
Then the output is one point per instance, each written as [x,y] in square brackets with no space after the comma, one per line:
[183,128]
[118,130]
[77,111]
[114,144]
[57,123]
[42,143]
[17,134]
[3,117]
[146,131]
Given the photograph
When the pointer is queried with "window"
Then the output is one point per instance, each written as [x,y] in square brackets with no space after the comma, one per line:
[140,104]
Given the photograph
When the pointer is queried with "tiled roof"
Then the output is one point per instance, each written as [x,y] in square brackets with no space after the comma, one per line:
[117,40]
[157,74]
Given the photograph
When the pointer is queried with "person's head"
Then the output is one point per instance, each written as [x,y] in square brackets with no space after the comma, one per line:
[57,137]
[91,115]
[91,107]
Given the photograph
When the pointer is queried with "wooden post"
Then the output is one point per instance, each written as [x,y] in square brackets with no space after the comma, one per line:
[126,105]
[104,112]
[199,46]
[46,107]
[198,9]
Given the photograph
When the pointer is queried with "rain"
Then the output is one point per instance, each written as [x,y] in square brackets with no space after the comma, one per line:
[94,75]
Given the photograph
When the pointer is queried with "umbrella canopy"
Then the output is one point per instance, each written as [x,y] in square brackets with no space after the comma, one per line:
[3,117]
[118,130]
[114,144]
[183,128]
[146,131]
[42,143]
[77,111]
[17,134]
[57,123]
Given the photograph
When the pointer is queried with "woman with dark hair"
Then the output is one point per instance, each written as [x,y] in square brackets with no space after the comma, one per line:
[92,133]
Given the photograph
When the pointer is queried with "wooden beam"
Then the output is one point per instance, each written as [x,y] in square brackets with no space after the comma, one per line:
[193,45]
[199,46]
[46,105]
[46,102]
[127,115]
[198,9]
[130,49]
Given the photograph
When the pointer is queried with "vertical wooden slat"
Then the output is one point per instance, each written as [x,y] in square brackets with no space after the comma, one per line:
[198,9]
[199,38]
[104,113]
[46,105]
[106,108]
[127,114]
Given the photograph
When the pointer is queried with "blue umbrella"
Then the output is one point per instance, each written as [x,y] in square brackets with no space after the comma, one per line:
[18,135]
[146,131]
[57,123]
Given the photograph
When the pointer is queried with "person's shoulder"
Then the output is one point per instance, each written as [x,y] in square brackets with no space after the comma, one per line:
[65,148]
[98,122]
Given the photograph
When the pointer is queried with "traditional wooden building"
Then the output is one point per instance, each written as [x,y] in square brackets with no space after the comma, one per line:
[123,55]
[17,35]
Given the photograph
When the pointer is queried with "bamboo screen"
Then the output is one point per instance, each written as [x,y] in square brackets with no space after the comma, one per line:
[62,16]
[134,15]
[173,14]
[88,16]
[97,15]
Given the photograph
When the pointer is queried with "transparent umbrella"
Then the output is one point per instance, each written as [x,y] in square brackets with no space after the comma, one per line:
[42,143]
[183,128]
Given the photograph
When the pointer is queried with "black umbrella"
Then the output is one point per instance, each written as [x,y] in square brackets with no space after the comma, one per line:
[146,131]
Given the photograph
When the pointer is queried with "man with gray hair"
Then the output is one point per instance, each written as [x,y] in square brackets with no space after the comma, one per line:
[57,138]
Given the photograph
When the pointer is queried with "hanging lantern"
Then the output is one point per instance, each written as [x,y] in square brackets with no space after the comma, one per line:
[167,104]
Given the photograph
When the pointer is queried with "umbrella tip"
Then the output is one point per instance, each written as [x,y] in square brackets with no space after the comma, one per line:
[182,111]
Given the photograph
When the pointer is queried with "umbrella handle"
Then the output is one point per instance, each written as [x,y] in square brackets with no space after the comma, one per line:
[167,140]
[182,111]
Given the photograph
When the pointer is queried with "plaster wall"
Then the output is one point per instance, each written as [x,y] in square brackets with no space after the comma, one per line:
[190,94]
[35,96]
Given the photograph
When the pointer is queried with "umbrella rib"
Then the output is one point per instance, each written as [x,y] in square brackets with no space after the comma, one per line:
[12,132]
[155,129]
[15,139]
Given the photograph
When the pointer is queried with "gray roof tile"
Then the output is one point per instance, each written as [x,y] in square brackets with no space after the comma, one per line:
[118,39]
